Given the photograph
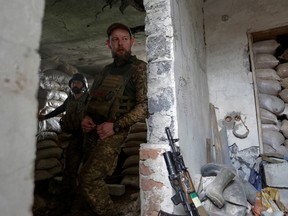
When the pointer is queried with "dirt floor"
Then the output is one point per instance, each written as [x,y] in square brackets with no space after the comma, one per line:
[48,204]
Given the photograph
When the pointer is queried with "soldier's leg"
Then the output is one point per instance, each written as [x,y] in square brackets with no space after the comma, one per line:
[101,162]
[73,158]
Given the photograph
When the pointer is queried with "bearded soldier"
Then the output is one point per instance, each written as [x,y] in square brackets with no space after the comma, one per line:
[70,123]
[118,99]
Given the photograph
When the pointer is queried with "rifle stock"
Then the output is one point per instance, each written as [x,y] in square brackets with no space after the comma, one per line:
[181,182]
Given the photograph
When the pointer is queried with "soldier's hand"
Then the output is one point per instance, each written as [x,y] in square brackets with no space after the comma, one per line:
[87,124]
[105,130]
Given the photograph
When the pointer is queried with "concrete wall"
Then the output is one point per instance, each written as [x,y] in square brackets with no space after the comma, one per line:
[229,75]
[20,24]
[178,96]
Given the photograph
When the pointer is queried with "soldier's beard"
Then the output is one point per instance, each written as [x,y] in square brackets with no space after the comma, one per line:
[76,90]
[121,59]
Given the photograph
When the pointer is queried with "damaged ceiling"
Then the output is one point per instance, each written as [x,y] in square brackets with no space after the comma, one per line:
[75,30]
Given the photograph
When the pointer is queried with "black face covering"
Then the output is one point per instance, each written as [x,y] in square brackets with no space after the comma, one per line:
[76,90]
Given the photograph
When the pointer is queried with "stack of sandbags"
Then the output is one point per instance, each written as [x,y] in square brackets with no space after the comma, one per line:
[53,90]
[136,136]
[270,81]
[48,156]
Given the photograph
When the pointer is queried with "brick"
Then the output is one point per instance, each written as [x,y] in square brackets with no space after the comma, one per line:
[149,153]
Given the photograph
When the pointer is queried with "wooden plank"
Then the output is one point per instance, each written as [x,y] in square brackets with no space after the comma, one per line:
[216,138]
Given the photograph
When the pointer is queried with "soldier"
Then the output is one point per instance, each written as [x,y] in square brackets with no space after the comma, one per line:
[70,123]
[118,100]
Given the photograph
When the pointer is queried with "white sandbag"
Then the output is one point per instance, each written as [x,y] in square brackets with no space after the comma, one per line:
[51,124]
[270,127]
[271,103]
[56,95]
[282,70]
[265,46]
[267,117]
[284,95]
[50,84]
[286,143]
[273,138]
[271,87]
[268,148]
[57,75]
[267,73]
[284,128]
[53,103]
[282,150]
[284,82]
[263,61]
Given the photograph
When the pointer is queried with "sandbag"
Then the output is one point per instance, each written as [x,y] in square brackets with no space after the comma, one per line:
[267,117]
[56,95]
[284,82]
[57,75]
[273,138]
[47,135]
[271,103]
[131,150]
[284,95]
[267,73]
[271,87]
[131,171]
[265,46]
[268,148]
[51,124]
[131,144]
[138,127]
[284,128]
[49,163]
[49,153]
[270,127]
[130,161]
[47,143]
[53,103]
[131,180]
[282,70]
[263,61]
[283,150]
[140,136]
[46,174]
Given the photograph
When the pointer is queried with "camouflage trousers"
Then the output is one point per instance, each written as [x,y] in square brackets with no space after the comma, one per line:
[101,162]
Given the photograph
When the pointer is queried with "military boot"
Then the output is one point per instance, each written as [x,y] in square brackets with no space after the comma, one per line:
[214,191]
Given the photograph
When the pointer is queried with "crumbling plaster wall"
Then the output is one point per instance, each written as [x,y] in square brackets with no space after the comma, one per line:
[228,69]
[20,24]
[178,96]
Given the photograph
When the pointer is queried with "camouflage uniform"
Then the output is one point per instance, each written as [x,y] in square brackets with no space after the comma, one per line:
[109,102]
[71,123]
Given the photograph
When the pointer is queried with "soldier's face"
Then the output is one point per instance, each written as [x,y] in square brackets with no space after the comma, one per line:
[120,43]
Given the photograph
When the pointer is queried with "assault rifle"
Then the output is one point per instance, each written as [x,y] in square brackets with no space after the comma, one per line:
[181,181]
